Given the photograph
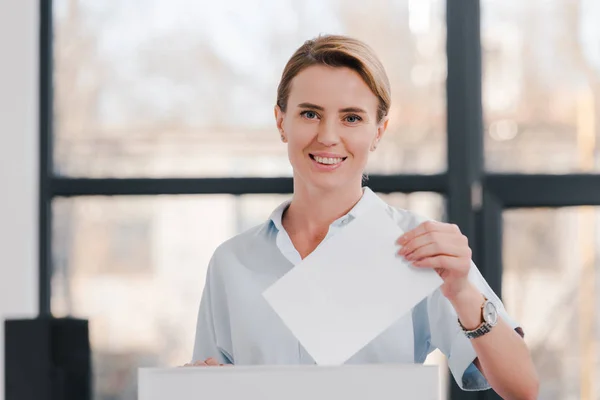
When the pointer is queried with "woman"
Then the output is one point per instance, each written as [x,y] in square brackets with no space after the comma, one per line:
[332,107]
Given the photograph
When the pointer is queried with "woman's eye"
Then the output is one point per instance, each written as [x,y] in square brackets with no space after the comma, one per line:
[353,119]
[310,114]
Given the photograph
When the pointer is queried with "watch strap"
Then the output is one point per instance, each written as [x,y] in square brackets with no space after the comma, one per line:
[479,331]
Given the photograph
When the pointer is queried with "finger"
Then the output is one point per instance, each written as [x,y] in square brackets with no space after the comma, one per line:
[195,364]
[427,227]
[444,264]
[436,249]
[211,362]
[429,238]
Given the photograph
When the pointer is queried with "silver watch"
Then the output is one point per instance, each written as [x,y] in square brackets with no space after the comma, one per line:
[489,314]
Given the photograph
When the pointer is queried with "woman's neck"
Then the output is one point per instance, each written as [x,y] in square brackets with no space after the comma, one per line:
[312,210]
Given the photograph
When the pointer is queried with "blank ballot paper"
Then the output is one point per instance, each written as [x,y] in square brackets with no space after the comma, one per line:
[350,289]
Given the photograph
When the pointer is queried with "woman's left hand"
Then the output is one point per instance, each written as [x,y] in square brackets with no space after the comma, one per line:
[442,247]
[209,362]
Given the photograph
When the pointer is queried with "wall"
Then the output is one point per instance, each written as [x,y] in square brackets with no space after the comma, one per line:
[18,162]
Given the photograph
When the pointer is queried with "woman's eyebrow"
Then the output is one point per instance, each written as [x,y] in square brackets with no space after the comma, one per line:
[341,110]
[311,106]
[352,109]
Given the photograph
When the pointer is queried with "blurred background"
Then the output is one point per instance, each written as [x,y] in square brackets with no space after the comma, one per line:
[171,89]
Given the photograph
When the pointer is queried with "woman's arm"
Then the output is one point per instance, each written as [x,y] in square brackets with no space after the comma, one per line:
[502,356]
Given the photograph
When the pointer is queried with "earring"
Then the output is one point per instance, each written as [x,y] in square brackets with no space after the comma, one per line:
[283,138]
[374,145]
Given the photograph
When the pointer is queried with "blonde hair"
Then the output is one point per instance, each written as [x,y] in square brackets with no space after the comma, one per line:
[338,51]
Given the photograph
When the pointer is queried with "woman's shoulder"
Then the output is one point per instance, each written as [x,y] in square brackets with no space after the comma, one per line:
[255,238]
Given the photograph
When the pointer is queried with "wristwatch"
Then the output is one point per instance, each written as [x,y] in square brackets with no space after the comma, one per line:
[489,316]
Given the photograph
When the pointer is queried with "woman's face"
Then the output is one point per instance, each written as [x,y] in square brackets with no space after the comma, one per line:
[330,126]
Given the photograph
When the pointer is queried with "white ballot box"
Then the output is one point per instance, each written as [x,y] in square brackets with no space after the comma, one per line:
[347,382]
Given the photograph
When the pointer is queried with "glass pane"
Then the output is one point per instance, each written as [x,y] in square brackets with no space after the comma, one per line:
[551,262]
[135,267]
[541,85]
[186,88]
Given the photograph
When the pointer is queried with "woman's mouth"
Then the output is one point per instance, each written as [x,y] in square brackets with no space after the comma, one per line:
[327,160]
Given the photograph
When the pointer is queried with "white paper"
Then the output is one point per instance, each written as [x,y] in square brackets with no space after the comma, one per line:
[350,289]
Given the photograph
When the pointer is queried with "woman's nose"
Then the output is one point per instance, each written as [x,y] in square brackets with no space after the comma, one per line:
[327,134]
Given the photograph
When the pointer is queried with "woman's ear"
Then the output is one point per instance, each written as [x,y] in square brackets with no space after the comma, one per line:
[381,128]
[279,116]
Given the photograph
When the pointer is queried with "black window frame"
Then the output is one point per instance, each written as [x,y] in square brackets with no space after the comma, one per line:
[475,197]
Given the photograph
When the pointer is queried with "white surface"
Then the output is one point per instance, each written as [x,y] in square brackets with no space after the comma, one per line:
[348,382]
[350,289]
[18,163]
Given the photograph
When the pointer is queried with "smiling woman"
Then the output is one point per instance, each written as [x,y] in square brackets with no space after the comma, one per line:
[332,111]
[336,113]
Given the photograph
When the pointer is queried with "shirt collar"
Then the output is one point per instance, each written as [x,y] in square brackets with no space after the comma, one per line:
[369,199]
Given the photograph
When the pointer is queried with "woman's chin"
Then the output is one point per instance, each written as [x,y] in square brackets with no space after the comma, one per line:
[335,181]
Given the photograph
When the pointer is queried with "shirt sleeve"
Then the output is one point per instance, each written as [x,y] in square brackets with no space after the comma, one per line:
[447,335]
[209,330]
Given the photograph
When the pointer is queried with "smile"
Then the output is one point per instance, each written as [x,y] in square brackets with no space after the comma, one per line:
[328,160]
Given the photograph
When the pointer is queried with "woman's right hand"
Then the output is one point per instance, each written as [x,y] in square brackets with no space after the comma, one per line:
[209,362]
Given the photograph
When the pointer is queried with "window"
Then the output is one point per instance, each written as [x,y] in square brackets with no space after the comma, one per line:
[541,91]
[552,282]
[187,88]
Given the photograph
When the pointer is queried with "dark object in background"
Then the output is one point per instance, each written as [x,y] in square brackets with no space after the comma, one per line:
[47,359]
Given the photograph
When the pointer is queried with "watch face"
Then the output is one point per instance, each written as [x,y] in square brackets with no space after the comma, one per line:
[490,313]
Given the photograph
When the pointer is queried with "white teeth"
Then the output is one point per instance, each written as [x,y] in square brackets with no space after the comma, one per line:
[328,160]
